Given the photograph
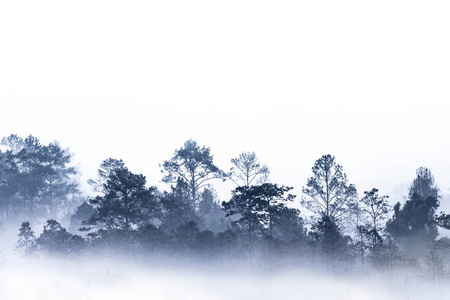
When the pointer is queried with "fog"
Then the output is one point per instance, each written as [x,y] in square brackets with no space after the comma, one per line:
[90,278]
[292,81]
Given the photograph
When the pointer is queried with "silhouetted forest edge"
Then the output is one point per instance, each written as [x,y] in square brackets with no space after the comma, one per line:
[338,230]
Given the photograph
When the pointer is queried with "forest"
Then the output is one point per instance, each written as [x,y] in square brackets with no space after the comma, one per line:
[329,228]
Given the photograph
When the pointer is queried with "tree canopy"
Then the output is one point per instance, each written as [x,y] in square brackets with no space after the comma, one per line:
[126,204]
[194,164]
[412,224]
[260,222]
[247,170]
[328,191]
[36,180]
[259,207]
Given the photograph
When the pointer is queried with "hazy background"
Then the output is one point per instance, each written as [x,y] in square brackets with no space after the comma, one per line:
[290,80]
[103,279]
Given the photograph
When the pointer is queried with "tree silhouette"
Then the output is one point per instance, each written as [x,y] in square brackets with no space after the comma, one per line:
[258,206]
[210,211]
[328,192]
[377,208]
[194,164]
[27,240]
[37,177]
[247,170]
[107,167]
[55,239]
[413,226]
[9,185]
[176,207]
[58,185]
[126,204]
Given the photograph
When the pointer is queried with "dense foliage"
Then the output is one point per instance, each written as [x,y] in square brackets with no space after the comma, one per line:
[261,223]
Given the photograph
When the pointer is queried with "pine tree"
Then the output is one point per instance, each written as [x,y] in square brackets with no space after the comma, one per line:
[247,170]
[328,191]
[259,207]
[27,241]
[127,203]
[56,240]
[194,164]
[413,226]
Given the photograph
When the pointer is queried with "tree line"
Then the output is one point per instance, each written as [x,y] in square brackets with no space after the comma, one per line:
[339,231]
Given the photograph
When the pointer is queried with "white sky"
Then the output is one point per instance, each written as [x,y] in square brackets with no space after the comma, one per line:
[366,81]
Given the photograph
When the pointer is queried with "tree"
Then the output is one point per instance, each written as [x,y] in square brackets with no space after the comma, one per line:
[38,177]
[58,184]
[176,207]
[32,166]
[9,184]
[13,142]
[330,239]
[185,235]
[206,244]
[377,208]
[288,227]
[56,240]
[10,177]
[360,226]
[434,261]
[210,211]
[388,255]
[273,199]
[413,226]
[194,164]
[82,214]
[247,209]
[363,241]
[153,239]
[258,206]
[107,167]
[127,204]
[328,192]
[443,220]
[424,185]
[27,240]
[247,170]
